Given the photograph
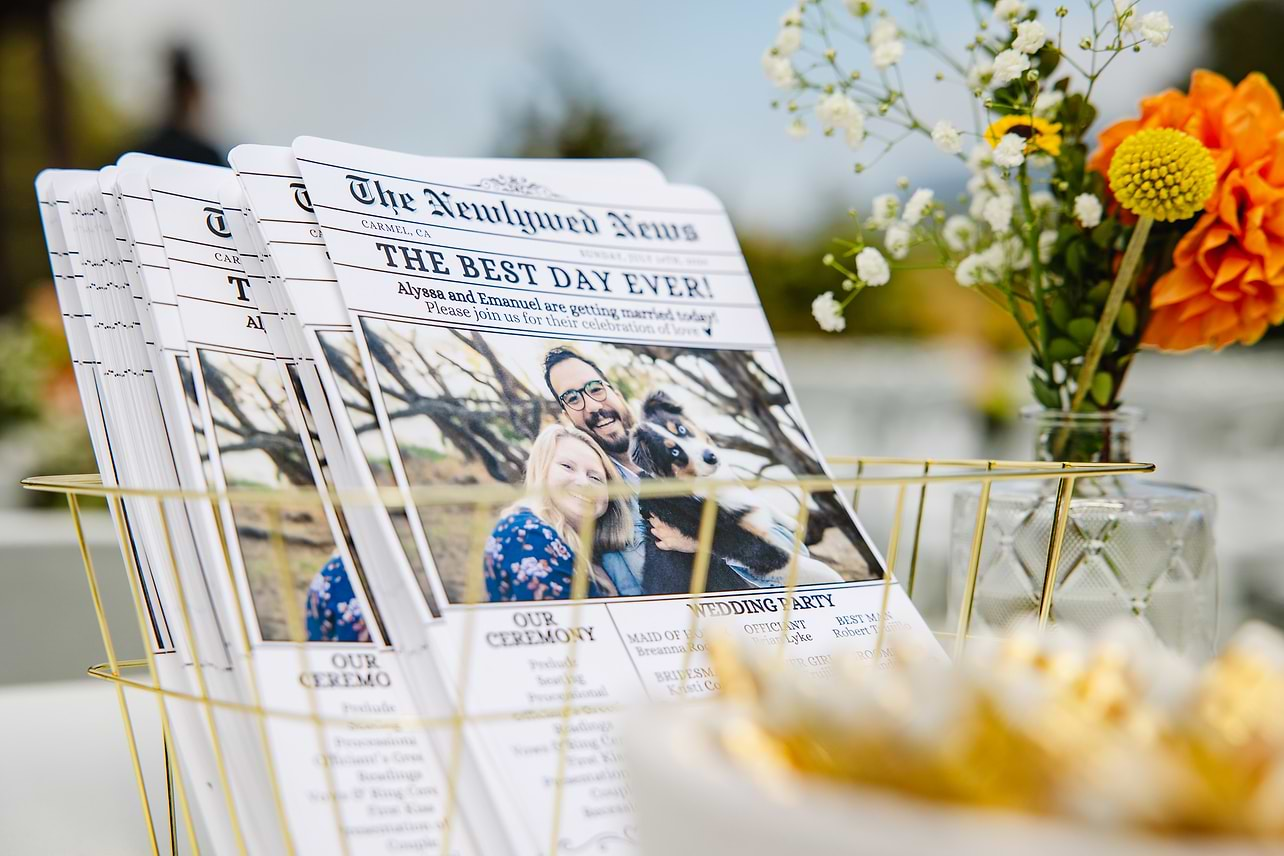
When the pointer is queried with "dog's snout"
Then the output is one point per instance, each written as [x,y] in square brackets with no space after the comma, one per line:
[710,458]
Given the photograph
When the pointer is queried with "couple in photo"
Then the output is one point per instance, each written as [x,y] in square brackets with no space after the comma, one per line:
[640,546]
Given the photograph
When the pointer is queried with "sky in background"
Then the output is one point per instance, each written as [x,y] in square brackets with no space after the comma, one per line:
[452,78]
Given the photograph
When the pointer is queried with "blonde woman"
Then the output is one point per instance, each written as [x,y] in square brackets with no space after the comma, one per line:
[531,552]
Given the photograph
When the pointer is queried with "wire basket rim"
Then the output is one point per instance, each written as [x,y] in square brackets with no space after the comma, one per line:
[933,471]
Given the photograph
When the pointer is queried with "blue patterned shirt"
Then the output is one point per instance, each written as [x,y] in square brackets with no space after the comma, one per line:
[333,611]
[525,559]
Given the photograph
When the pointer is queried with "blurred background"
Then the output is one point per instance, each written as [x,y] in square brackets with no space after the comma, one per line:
[924,368]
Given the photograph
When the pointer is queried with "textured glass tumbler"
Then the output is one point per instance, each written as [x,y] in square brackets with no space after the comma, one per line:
[1133,546]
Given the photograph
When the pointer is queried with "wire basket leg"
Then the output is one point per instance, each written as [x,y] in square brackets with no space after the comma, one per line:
[110,649]
[132,578]
[973,568]
[892,548]
[1065,491]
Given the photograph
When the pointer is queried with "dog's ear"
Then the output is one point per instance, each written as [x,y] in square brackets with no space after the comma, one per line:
[640,448]
[659,402]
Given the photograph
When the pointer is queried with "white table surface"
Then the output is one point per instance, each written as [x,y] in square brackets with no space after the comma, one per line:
[68,787]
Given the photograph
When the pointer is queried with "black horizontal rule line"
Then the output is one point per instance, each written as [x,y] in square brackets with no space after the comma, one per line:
[234,351]
[184,196]
[299,243]
[475,189]
[240,306]
[266,174]
[641,298]
[200,243]
[407,240]
[434,225]
[554,334]
[286,220]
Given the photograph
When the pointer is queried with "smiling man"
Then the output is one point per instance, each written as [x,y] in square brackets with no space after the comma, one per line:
[591,404]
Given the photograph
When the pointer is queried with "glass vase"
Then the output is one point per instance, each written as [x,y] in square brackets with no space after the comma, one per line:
[1134,547]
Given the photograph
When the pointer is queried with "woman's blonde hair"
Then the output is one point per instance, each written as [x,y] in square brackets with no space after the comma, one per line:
[614,529]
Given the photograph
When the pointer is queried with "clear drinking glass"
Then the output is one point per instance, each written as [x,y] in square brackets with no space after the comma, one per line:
[1133,547]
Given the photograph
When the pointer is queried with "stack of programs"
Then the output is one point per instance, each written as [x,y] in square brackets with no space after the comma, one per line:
[445,672]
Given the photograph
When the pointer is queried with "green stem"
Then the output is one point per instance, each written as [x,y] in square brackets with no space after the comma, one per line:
[1036,267]
[1119,290]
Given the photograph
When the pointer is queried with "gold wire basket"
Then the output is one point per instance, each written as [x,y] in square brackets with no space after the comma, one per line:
[172,829]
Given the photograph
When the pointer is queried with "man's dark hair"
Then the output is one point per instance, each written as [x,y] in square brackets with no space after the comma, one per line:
[561,354]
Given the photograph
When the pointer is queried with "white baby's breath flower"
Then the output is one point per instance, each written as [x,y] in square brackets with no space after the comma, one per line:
[872,268]
[897,240]
[1008,66]
[796,129]
[969,271]
[1047,102]
[788,40]
[1126,15]
[976,207]
[918,206]
[884,40]
[1047,242]
[859,8]
[981,157]
[888,54]
[998,213]
[854,136]
[980,74]
[885,208]
[828,313]
[1087,210]
[986,179]
[999,258]
[1043,202]
[838,111]
[1010,152]
[959,233]
[947,137]
[779,70]
[1006,10]
[1018,253]
[1155,28]
[1030,37]
[883,31]
[792,17]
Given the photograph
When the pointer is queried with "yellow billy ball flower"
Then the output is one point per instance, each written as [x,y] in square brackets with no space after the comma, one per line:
[1162,173]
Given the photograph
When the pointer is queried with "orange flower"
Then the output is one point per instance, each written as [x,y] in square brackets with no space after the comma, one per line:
[1227,281]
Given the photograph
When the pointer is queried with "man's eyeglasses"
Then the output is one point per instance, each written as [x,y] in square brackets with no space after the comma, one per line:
[574,398]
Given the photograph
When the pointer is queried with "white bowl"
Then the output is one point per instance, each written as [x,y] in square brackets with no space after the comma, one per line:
[692,800]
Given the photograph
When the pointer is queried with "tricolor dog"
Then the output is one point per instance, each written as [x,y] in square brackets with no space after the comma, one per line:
[668,444]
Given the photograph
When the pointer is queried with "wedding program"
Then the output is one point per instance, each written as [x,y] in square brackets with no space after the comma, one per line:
[423,426]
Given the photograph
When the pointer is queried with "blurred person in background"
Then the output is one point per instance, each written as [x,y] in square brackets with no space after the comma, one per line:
[178,136]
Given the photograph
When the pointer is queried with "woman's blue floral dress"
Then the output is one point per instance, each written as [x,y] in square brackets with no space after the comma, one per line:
[526,559]
[333,611]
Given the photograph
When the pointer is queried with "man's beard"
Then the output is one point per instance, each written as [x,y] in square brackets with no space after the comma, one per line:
[611,445]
